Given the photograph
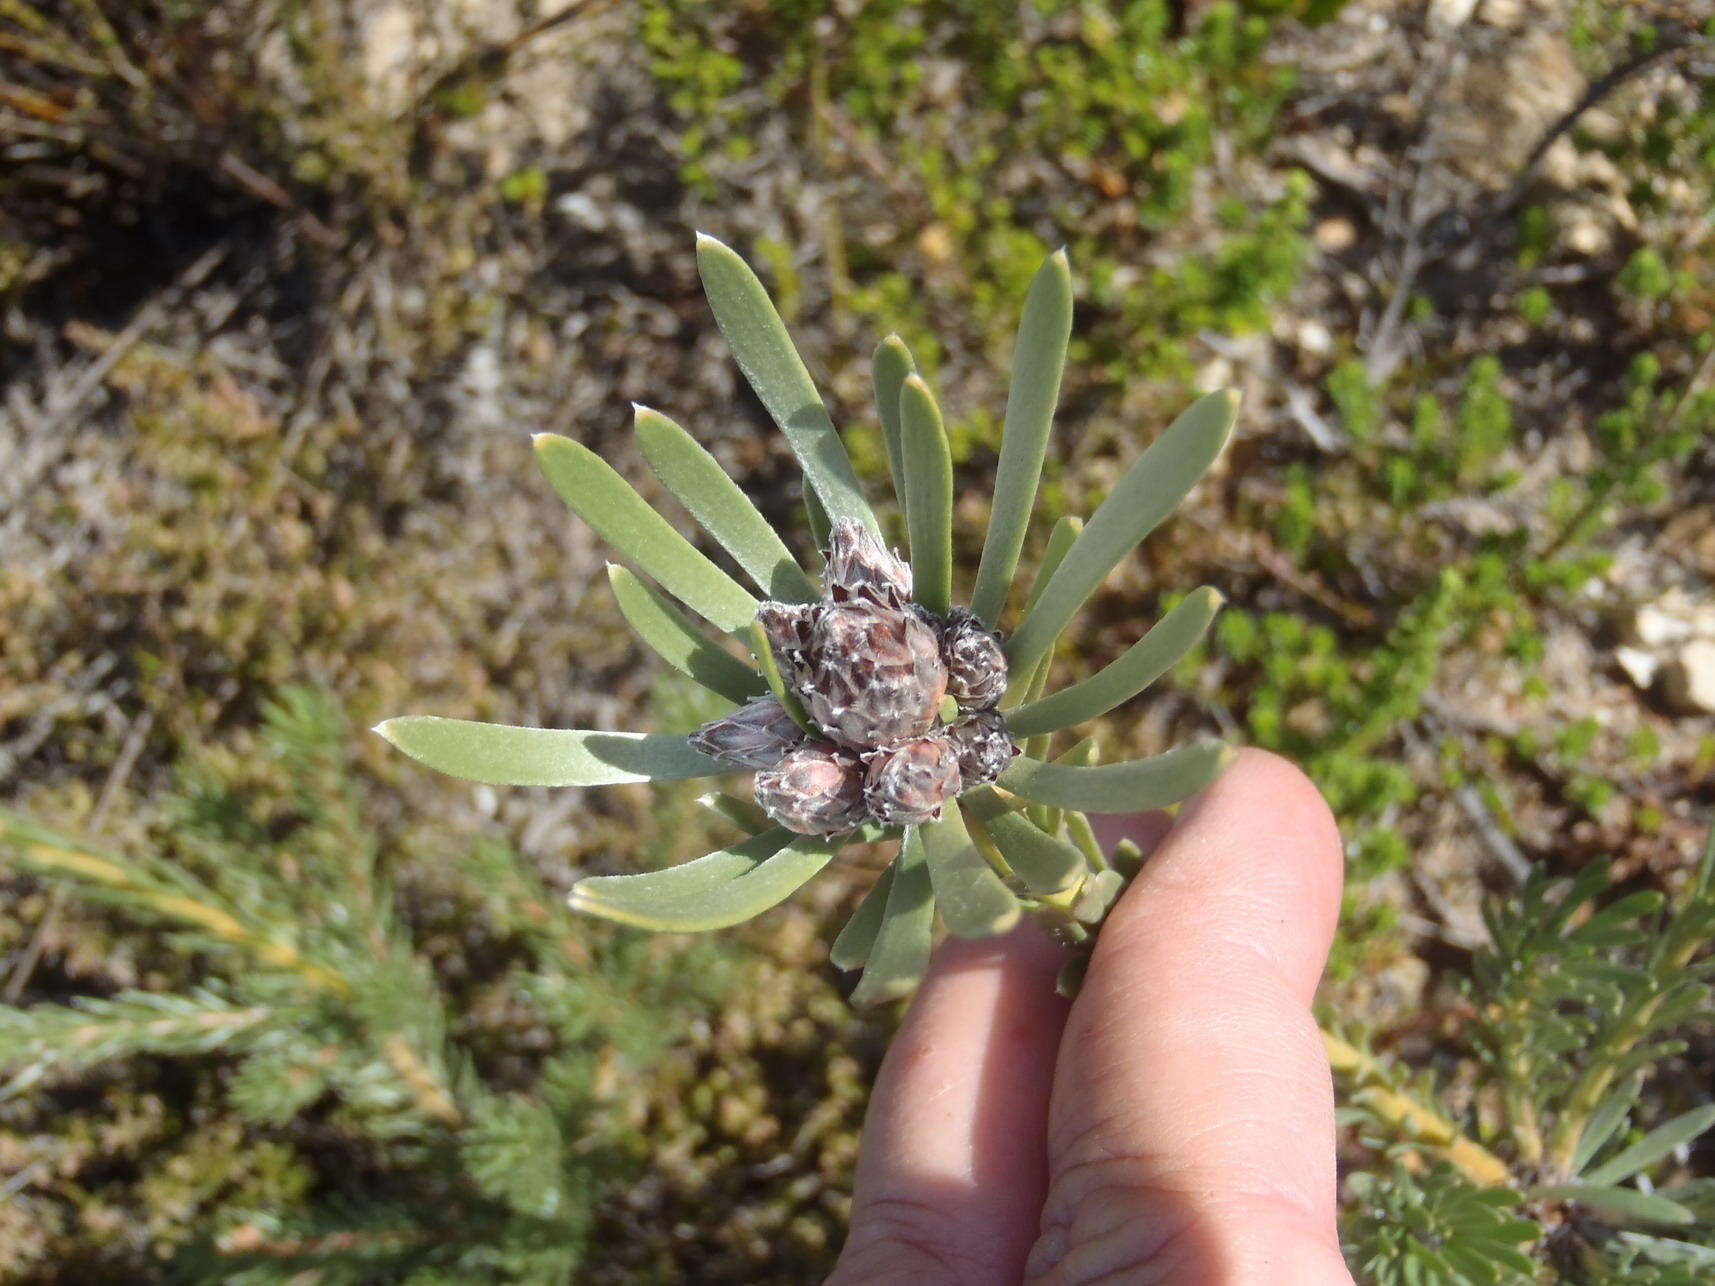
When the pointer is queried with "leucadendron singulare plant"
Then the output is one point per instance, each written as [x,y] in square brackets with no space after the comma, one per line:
[873,706]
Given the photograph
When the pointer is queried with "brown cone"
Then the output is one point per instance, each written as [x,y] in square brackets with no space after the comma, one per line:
[756,735]
[874,676]
[910,783]
[789,627]
[860,567]
[815,790]
[983,747]
[976,665]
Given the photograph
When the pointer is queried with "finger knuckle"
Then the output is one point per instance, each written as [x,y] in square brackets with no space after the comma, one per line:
[902,1239]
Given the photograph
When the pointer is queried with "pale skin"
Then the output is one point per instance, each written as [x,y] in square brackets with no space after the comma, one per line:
[1174,1126]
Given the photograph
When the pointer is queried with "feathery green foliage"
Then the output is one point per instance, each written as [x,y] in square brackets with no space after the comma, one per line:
[336,1032]
[1578,1001]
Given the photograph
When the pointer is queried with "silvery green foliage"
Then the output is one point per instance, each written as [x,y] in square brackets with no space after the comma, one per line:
[900,700]
[1578,999]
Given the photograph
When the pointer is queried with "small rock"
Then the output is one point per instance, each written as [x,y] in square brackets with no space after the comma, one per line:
[1315,338]
[1335,235]
[1640,666]
[1671,619]
[1451,13]
[1688,679]
[1585,234]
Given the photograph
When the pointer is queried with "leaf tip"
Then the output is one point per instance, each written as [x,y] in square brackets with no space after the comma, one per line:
[1060,259]
[386,730]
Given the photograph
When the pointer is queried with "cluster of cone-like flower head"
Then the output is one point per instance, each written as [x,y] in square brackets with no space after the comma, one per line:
[871,669]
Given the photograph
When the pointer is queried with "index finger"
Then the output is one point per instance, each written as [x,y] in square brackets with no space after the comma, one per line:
[1191,1135]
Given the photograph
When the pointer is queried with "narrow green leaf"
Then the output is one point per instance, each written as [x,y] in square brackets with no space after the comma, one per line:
[1098,895]
[654,618]
[1653,1146]
[821,530]
[765,354]
[1045,864]
[1084,836]
[888,369]
[1158,651]
[1703,883]
[769,665]
[928,495]
[603,499]
[900,952]
[971,897]
[1038,360]
[1608,1117]
[746,814]
[724,511]
[1119,788]
[851,949]
[1025,687]
[1156,482]
[502,755]
[726,887]
[1620,1205]
[1667,1250]
[1060,539]
[1082,753]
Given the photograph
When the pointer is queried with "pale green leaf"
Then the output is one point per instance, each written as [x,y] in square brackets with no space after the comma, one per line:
[1156,482]
[1653,1146]
[821,530]
[970,896]
[1045,863]
[851,949]
[889,368]
[928,495]
[1082,753]
[1158,651]
[1023,688]
[769,666]
[1038,359]
[746,814]
[1060,539]
[900,952]
[1127,787]
[1617,1205]
[765,354]
[503,755]
[724,511]
[665,628]
[724,888]
[1097,895]
[603,499]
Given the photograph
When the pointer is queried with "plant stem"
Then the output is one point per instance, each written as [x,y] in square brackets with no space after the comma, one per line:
[1423,1124]
[186,910]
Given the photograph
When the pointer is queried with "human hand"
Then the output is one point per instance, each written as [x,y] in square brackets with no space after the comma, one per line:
[1174,1125]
